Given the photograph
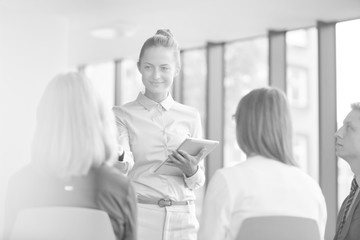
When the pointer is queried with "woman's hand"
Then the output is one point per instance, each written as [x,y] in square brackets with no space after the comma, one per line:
[186,162]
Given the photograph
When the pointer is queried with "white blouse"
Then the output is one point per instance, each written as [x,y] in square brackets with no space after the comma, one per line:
[258,187]
[148,131]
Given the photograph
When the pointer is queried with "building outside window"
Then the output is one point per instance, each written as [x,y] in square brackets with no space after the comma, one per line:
[302,92]
[348,88]
[246,68]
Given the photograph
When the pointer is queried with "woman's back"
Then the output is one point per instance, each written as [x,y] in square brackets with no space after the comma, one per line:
[102,188]
[268,187]
[260,187]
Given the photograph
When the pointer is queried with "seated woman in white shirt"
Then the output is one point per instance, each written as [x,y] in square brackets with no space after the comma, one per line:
[268,182]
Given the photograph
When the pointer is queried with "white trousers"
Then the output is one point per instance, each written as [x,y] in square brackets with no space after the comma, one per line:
[167,223]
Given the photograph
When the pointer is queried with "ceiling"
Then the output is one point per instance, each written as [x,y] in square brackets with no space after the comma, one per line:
[193,22]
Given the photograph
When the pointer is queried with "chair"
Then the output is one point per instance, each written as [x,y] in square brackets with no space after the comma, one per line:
[279,228]
[65,223]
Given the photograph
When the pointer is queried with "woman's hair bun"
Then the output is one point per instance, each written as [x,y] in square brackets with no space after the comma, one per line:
[164,32]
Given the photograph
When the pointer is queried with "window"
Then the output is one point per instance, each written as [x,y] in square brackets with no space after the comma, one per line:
[246,68]
[129,81]
[348,86]
[193,93]
[194,80]
[103,78]
[302,92]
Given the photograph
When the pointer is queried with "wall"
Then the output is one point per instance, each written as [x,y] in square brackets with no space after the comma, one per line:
[32,50]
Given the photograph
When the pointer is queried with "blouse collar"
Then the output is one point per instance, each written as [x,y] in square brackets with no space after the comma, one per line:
[167,103]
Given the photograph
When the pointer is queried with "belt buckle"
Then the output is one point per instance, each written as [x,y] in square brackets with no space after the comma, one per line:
[165,202]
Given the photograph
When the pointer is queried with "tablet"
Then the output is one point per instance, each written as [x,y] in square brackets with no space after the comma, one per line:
[192,146]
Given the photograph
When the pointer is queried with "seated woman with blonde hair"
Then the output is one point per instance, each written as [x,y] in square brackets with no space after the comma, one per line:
[73,148]
[268,182]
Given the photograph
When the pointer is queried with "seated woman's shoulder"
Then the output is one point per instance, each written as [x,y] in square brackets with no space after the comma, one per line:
[111,176]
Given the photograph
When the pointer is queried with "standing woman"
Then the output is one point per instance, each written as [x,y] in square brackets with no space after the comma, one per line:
[150,129]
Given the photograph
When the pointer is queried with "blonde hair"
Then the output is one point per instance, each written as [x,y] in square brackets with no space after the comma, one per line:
[74,131]
[263,125]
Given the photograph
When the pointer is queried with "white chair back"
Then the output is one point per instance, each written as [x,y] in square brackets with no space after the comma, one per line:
[62,223]
[279,228]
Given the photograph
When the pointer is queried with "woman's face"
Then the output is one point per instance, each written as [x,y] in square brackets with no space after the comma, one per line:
[158,69]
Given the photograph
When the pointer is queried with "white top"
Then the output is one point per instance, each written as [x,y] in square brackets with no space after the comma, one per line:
[258,187]
[148,131]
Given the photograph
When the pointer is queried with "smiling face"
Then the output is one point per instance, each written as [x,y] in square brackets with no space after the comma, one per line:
[158,68]
[348,139]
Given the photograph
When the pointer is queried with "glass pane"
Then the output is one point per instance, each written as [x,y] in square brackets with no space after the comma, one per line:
[194,94]
[246,66]
[130,80]
[103,77]
[348,85]
[302,91]
[194,80]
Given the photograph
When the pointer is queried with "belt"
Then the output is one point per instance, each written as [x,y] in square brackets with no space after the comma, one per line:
[163,202]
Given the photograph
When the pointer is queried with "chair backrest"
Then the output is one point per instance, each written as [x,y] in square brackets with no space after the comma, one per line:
[279,228]
[65,223]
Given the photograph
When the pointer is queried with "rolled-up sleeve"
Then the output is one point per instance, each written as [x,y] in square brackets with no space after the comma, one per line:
[198,179]
[123,140]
